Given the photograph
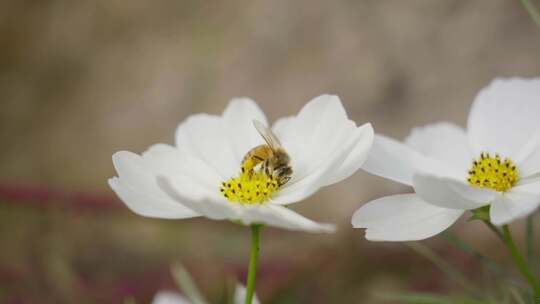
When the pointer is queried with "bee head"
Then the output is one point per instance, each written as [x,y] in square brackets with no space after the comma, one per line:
[281,158]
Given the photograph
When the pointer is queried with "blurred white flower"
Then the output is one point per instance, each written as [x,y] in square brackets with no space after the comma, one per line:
[240,295]
[185,180]
[494,163]
[171,297]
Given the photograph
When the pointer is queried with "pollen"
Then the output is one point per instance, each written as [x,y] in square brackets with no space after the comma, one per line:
[493,172]
[253,188]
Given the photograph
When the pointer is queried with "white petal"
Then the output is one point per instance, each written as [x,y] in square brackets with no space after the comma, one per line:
[282,125]
[298,189]
[394,160]
[240,295]
[528,159]
[281,217]
[137,187]
[512,205]
[532,187]
[218,208]
[404,217]
[211,206]
[205,137]
[168,160]
[443,141]
[450,193]
[504,116]
[238,120]
[356,157]
[314,134]
[169,297]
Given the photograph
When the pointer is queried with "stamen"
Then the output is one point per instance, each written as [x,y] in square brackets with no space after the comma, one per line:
[492,172]
[253,188]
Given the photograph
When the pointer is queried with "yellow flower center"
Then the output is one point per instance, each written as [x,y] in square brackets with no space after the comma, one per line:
[492,172]
[247,188]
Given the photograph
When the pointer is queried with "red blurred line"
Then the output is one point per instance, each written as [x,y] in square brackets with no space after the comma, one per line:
[47,197]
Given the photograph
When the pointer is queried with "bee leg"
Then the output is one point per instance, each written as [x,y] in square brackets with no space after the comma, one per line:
[283,180]
[249,163]
[283,171]
[283,174]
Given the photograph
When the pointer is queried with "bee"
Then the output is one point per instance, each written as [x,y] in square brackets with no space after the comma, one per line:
[272,157]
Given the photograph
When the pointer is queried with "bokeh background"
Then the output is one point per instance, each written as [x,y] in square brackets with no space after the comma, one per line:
[80,80]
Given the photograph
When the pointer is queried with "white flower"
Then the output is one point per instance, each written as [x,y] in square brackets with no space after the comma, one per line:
[240,295]
[184,181]
[171,297]
[494,163]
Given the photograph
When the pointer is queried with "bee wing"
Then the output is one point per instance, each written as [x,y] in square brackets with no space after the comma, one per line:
[267,134]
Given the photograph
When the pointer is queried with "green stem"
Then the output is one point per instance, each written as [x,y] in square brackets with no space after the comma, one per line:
[463,246]
[252,271]
[520,262]
[533,12]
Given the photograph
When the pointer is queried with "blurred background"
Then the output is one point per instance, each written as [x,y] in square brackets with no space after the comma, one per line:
[80,80]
